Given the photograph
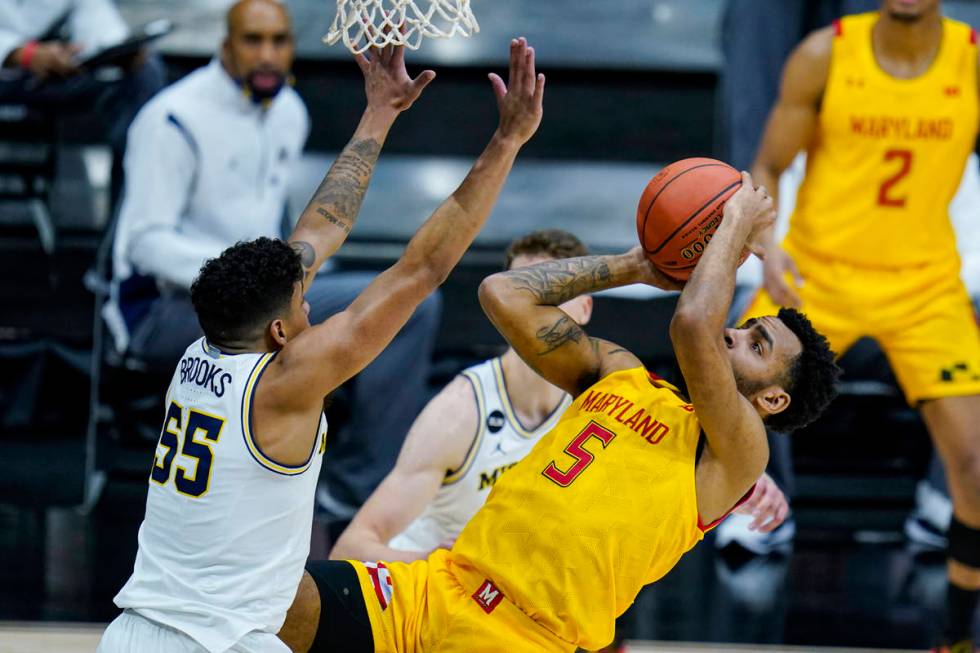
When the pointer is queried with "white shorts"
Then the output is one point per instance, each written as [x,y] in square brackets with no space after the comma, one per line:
[131,632]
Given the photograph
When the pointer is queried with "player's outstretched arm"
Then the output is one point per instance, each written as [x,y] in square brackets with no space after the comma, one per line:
[789,130]
[323,357]
[330,215]
[437,442]
[735,433]
[523,305]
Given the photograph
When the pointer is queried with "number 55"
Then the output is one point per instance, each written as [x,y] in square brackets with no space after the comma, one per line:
[209,426]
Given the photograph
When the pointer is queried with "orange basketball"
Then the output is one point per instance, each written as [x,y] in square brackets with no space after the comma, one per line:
[680,209]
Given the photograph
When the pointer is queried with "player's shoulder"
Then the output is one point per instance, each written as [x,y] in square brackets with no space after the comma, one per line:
[817,47]
[447,424]
[455,406]
[614,358]
[176,102]
[808,68]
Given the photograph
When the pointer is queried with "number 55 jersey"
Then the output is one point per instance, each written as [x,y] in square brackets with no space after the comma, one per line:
[603,505]
[888,153]
[227,529]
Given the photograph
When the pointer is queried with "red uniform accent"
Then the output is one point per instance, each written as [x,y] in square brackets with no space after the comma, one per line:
[488,596]
[705,529]
[838,28]
[973,37]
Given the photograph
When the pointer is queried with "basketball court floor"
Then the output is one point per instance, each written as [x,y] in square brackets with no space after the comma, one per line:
[835,589]
[71,638]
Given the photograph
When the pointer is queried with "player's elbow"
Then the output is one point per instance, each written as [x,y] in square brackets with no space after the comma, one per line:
[425,269]
[493,294]
[421,276]
[345,548]
[685,324]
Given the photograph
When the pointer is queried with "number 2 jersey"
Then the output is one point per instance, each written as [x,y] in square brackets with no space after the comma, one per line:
[227,529]
[888,154]
[603,505]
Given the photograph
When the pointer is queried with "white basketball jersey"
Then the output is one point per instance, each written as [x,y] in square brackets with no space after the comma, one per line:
[501,441]
[227,530]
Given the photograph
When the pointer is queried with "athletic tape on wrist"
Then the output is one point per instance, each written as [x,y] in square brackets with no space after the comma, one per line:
[964,544]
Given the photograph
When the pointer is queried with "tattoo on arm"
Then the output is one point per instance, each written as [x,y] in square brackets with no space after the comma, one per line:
[555,282]
[339,197]
[307,255]
[340,224]
[556,335]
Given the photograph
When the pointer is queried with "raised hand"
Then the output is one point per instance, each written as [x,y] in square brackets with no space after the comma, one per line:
[386,81]
[777,264]
[520,99]
[754,206]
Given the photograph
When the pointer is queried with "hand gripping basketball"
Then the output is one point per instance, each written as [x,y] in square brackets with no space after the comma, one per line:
[755,206]
[520,100]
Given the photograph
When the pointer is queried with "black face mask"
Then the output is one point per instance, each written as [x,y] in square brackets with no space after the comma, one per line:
[259,89]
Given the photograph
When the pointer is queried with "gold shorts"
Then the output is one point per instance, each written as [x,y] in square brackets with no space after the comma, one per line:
[920,316]
[439,605]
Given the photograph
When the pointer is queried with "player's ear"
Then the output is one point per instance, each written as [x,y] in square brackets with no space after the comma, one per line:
[579,309]
[772,400]
[277,331]
[586,310]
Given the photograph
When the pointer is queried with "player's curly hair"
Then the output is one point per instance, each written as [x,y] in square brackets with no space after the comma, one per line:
[555,243]
[811,379]
[237,294]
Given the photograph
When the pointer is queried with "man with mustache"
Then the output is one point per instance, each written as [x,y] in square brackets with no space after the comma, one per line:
[209,164]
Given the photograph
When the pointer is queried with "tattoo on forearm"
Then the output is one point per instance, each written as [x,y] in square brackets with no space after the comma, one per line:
[555,282]
[554,336]
[307,255]
[329,217]
[339,197]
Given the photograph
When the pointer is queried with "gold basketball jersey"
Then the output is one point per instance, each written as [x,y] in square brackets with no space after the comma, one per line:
[603,505]
[888,153]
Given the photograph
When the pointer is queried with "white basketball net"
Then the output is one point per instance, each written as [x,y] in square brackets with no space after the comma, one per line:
[362,24]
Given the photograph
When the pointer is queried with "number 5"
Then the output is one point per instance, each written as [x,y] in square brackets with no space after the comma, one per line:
[576,449]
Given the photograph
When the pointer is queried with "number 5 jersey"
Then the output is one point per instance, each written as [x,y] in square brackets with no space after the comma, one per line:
[227,529]
[603,505]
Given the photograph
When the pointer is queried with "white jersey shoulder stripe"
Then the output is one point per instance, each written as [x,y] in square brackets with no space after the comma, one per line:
[512,419]
[250,443]
[454,475]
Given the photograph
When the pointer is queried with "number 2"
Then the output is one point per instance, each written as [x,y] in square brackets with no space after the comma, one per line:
[884,198]
[576,449]
[209,426]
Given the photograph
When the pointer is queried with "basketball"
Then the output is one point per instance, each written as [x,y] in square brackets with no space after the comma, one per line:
[680,209]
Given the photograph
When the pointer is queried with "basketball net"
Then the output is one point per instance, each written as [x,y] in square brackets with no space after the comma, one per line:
[362,24]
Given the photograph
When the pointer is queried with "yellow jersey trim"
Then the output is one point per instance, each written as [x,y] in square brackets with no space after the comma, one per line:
[250,443]
[454,475]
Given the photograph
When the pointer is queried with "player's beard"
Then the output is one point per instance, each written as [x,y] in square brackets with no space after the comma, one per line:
[748,387]
[264,84]
[908,18]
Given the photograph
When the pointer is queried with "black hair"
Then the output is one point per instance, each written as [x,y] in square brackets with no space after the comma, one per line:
[237,294]
[811,379]
[556,243]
